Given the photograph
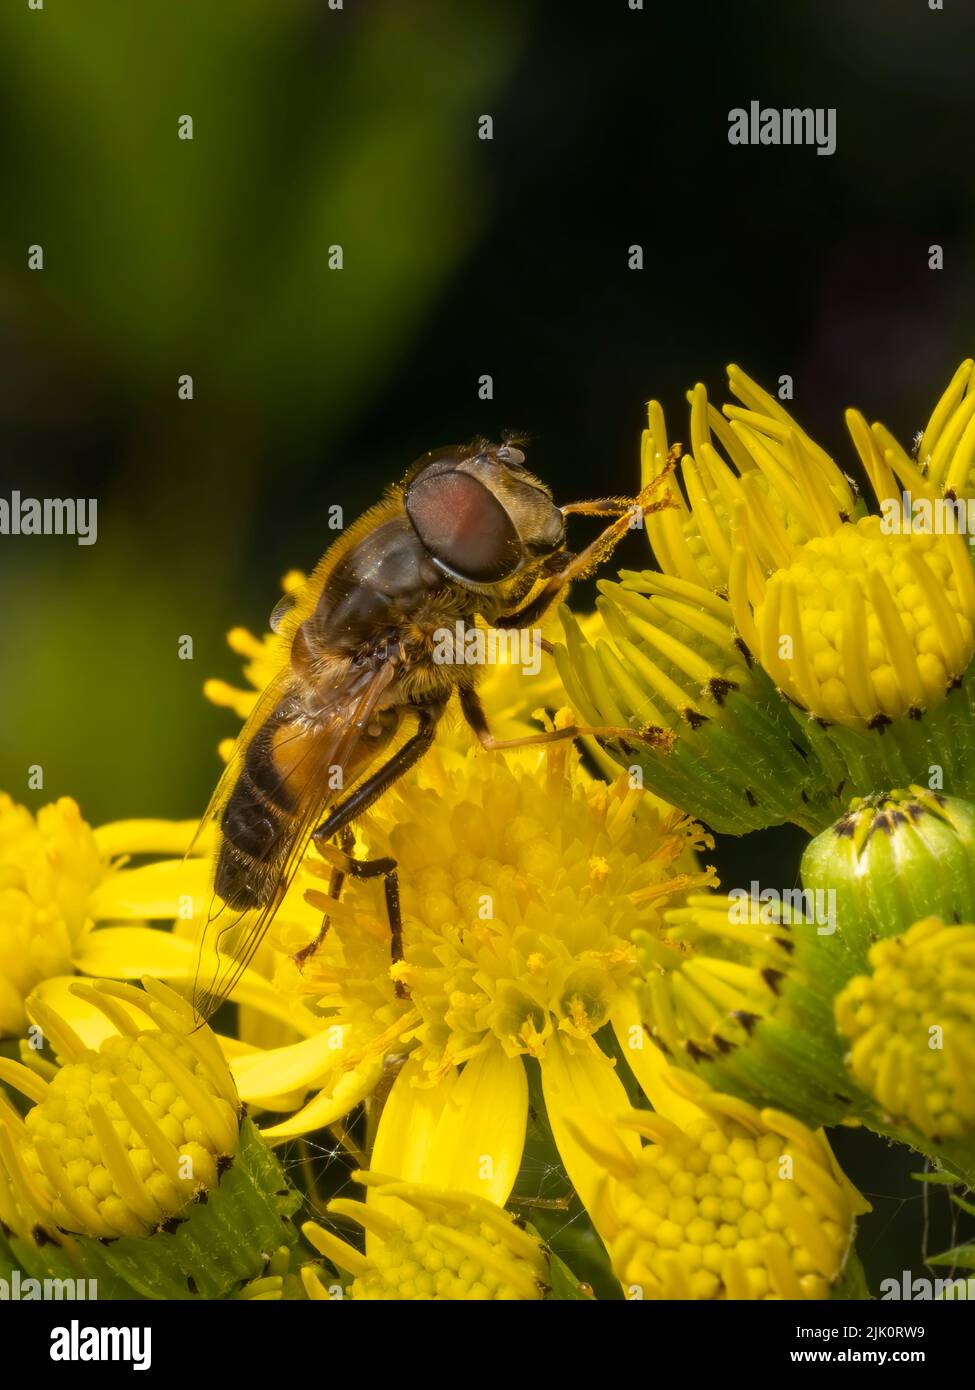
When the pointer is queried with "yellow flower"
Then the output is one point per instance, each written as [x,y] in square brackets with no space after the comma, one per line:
[521,881]
[775,582]
[123,1138]
[429,1243]
[732,990]
[60,884]
[861,628]
[139,1136]
[911,1028]
[733,1203]
[853,623]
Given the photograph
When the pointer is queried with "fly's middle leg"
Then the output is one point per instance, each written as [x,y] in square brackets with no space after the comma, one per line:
[346,840]
[345,865]
[339,823]
[373,868]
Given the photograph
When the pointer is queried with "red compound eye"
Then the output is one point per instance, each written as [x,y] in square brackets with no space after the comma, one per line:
[464,526]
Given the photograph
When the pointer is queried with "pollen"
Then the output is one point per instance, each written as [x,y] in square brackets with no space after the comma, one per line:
[521,881]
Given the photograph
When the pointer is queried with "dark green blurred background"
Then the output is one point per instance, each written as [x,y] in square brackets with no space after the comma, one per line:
[314,387]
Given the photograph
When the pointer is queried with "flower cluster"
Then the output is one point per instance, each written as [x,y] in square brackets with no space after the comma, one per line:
[577,1018]
[789,620]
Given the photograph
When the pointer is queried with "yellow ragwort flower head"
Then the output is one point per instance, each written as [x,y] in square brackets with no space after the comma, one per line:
[49,866]
[737,1204]
[60,880]
[776,582]
[729,991]
[122,1138]
[429,1243]
[854,623]
[911,1028]
[519,878]
[861,627]
[522,880]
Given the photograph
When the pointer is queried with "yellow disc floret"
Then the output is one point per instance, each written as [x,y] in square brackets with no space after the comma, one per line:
[521,880]
[425,1243]
[911,1025]
[49,866]
[738,1204]
[121,1139]
[862,627]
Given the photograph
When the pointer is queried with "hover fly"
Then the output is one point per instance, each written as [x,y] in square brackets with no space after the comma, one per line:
[469,534]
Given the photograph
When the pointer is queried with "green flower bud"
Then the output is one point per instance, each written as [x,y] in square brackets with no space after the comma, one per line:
[892,859]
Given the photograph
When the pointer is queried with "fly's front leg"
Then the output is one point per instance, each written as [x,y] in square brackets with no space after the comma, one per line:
[473,712]
[598,550]
[602,506]
[339,823]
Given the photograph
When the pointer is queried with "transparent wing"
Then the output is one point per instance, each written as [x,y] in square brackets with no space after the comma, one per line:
[231,936]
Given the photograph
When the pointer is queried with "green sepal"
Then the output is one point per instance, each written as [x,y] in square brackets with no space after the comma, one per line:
[907,749]
[963,1255]
[852,1285]
[793,1060]
[562,1283]
[223,1240]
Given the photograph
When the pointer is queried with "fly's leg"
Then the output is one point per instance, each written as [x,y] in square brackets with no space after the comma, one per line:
[359,801]
[364,869]
[598,550]
[473,712]
[335,882]
[602,506]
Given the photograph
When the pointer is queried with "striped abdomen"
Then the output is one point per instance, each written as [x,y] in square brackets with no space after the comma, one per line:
[258,822]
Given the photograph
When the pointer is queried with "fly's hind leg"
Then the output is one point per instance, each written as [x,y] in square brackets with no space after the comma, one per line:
[336,879]
[345,865]
[338,825]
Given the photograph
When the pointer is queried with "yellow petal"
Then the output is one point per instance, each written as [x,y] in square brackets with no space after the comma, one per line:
[128,953]
[147,837]
[89,1022]
[650,1067]
[329,1106]
[287,1102]
[299,1066]
[584,1080]
[170,888]
[466,1133]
